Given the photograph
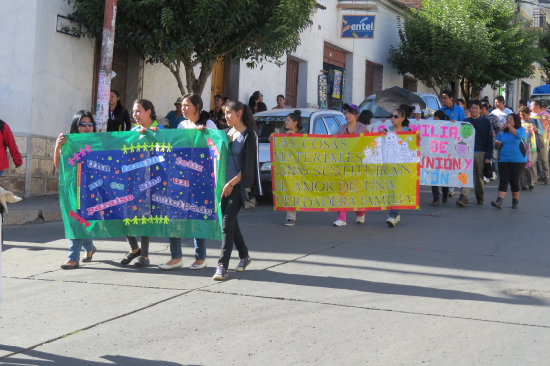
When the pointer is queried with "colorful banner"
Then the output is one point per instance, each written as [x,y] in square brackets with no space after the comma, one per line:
[446,151]
[326,173]
[165,183]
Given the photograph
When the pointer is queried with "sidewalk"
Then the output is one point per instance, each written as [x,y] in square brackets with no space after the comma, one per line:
[33,210]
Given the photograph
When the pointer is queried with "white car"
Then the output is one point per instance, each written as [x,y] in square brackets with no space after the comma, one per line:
[314,121]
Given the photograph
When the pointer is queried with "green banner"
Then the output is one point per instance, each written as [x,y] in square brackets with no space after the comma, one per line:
[166,183]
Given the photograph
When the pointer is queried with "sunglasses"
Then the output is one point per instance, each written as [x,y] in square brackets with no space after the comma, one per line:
[84,124]
[394,116]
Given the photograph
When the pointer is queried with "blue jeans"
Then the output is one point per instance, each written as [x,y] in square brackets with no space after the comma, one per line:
[77,245]
[200,248]
[394,213]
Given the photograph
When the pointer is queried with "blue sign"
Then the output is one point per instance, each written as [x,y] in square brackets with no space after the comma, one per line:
[358,26]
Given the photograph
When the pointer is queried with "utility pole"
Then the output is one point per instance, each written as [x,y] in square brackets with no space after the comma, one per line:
[106,65]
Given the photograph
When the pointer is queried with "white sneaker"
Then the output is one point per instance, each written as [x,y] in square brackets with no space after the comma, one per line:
[339,223]
[360,219]
[392,221]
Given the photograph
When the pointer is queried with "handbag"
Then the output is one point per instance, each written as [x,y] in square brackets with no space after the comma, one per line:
[522,148]
[248,198]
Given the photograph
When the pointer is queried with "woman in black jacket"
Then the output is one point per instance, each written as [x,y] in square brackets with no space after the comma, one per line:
[119,118]
[242,171]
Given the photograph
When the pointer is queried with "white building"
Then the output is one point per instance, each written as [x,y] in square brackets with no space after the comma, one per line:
[47,75]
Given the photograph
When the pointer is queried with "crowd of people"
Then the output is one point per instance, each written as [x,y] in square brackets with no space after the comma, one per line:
[514,145]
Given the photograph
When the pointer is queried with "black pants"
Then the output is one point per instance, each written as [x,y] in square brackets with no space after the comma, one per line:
[435,192]
[144,244]
[509,173]
[231,232]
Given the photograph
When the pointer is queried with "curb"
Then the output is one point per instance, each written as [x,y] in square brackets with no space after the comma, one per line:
[31,216]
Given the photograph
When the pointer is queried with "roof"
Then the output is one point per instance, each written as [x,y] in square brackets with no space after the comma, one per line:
[416,4]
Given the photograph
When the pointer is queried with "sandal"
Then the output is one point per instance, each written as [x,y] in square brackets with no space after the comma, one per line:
[89,259]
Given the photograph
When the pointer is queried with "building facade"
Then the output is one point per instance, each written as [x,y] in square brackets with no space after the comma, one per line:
[47,74]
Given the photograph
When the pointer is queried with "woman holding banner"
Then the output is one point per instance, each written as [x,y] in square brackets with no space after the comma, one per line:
[352,127]
[399,123]
[243,172]
[145,117]
[83,122]
[196,118]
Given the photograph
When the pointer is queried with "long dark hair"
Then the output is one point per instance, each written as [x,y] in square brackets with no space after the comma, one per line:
[196,100]
[78,116]
[148,106]
[517,121]
[365,117]
[403,113]
[296,116]
[118,105]
[248,118]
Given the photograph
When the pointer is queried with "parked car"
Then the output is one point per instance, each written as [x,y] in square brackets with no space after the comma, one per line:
[431,100]
[314,121]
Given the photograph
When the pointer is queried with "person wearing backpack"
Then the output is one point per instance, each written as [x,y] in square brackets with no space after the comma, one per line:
[8,141]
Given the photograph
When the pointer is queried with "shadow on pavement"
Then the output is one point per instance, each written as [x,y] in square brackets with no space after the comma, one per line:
[44,358]
[353,284]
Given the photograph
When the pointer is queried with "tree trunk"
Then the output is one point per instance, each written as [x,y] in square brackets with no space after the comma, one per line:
[465,87]
[175,70]
[196,85]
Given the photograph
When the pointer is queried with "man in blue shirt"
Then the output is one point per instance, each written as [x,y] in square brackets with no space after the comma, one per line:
[483,152]
[175,117]
[454,112]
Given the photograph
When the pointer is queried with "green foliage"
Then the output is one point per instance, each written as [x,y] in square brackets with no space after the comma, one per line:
[544,45]
[479,42]
[197,32]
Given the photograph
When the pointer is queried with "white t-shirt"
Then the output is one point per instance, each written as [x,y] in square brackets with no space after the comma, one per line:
[188,124]
[501,114]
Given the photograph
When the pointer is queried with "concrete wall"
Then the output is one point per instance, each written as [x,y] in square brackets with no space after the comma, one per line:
[161,88]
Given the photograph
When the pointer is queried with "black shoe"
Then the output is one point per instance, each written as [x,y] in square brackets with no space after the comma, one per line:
[89,259]
[515,203]
[530,188]
[480,200]
[142,262]
[444,199]
[435,203]
[497,203]
[130,257]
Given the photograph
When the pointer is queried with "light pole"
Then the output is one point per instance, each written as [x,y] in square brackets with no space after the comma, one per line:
[106,65]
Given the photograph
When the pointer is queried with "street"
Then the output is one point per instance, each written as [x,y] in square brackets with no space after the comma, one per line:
[447,286]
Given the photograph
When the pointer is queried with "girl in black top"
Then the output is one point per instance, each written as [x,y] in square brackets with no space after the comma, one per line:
[119,119]
[242,170]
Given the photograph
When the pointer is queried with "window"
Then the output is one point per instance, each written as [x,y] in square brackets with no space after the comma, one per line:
[410,83]
[319,127]
[431,103]
[331,123]
[373,78]
[341,120]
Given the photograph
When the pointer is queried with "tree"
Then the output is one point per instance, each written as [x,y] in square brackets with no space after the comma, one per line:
[196,33]
[479,42]
[544,45]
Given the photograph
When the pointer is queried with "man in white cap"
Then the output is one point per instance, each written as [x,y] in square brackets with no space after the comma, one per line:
[175,117]
[417,113]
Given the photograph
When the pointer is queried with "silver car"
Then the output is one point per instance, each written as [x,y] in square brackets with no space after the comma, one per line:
[314,121]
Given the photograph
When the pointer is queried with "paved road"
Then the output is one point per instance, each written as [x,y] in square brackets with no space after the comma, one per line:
[448,286]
